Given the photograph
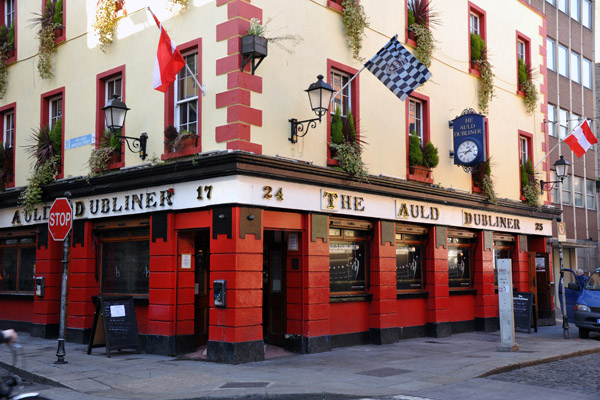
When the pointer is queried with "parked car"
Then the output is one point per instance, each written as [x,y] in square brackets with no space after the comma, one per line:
[583,301]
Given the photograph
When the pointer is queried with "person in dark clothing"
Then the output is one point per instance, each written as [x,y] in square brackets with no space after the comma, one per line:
[8,336]
[581,277]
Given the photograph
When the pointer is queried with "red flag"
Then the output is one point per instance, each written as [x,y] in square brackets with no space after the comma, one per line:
[581,139]
[169,60]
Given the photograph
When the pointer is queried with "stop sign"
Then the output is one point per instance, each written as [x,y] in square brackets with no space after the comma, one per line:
[61,219]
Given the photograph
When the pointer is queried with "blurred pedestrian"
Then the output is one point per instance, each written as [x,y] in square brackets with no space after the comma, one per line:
[8,336]
[581,277]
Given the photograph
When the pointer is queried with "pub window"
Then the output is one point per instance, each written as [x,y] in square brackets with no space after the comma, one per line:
[124,261]
[410,260]
[503,248]
[348,258]
[18,264]
[460,258]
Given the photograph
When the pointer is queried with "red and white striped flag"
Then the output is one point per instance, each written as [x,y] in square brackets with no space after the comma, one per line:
[581,139]
[169,60]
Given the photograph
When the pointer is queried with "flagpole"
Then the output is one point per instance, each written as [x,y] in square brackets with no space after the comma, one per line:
[547,154]
[192,74]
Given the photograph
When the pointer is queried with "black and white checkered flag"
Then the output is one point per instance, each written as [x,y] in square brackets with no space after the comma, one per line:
[399,70]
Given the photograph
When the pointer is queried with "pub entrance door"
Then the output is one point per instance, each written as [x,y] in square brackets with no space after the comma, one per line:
[201,291]
[544,287]
[274,262]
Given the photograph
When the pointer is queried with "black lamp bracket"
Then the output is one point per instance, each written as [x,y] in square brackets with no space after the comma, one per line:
[301,126]
[137,145]
[549,185]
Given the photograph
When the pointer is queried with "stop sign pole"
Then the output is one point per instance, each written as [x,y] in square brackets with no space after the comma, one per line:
[59,225]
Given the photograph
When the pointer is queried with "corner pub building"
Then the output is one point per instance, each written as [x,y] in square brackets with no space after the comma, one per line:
[302,254]
[309,261]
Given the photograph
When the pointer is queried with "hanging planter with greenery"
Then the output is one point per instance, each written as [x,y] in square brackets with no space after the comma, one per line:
[177,141]
[105,22]
[482,179]
[421,160]
[108,151]
[527,86]
[48,23]
[420,18]
[7,47]
[529,185]
[479,62]
[355,22]
[346,147]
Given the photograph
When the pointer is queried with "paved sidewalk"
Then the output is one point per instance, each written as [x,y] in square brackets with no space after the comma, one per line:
[362,371]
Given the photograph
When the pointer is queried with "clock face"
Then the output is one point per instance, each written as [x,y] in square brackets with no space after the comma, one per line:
[467,151]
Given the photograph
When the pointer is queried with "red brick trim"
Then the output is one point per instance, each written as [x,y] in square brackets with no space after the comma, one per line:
[245,146]
[229,64]
[239,113]
[243,80]
[235,96]
[232,131]
[231,28]
[240,8]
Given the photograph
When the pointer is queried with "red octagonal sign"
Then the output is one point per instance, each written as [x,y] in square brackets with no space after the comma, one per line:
[61,219]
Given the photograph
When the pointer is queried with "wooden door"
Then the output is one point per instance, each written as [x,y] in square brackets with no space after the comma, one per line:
[544,289]
[274,287]
[201,284]
[533,282]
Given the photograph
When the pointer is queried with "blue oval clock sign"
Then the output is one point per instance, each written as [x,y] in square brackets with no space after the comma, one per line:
[469,139]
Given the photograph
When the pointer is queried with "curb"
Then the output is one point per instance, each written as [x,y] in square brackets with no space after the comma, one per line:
[525,364]
[32,377]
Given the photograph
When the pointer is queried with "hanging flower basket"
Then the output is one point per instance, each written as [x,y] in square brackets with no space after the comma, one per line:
[255,46]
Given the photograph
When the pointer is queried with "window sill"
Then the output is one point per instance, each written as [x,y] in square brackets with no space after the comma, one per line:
[348,298]
[462,292]
[520,93]
[17,296]
[59,36]
[335,6]
[410,38]
[412,295]
[474,69]
[416,178]
[138,301]
[182,153]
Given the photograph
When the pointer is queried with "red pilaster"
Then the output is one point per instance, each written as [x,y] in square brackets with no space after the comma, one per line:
[82,282]
[436,278]
[239,261]
[520,267]
[46,309]
[486,301]
[382,313]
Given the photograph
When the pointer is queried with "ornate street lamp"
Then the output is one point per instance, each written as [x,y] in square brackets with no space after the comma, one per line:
[115,112]
[319,95]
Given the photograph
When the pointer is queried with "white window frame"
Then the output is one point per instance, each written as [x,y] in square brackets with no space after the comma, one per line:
[54,114]
[552,126]
[418,117]
[578,192]
[563,60]
[343,101]
[475,23]
[551,54]
[565,187]
[522,51]
[554,193]
[551,2]
[574,10]
[563,5]
[575,67]
[586,14]
[590,194]
[563,123]
[186,101]
[586,72]
[9,129]
[524,149]
[9,13]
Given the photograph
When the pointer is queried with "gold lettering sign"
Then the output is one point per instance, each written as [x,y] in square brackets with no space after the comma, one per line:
[491,221]
[340,201]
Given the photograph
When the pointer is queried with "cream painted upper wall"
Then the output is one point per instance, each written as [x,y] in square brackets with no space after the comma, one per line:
[285,76]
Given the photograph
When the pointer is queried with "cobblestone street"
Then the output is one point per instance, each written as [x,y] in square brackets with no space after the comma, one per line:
[577,374]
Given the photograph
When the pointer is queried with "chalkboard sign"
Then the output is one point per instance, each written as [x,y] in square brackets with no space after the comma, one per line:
[115,326]
[523,308]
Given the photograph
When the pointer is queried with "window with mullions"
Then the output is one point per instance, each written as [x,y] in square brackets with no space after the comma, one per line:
[8,134]
[590,194]
[342,100]
[552,128]
[9,13]
[565,187]
[415,118]
[125,261]
[18,264]
[186,97]
[55,112]
[563,6]
[409,261]
[348,260]
[586,13]
[551,54]
[460,262]
[575,9]
[578,193]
